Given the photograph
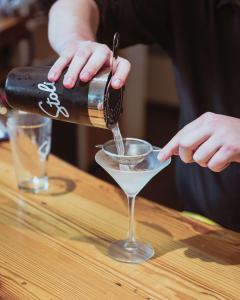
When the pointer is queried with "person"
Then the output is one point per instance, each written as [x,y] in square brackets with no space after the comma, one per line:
[202,40]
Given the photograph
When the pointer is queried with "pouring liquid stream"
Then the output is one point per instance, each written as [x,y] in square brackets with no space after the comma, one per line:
[119,145]
[118,139]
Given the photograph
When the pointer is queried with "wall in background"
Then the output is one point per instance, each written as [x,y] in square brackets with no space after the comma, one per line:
[161,87]
[134,117]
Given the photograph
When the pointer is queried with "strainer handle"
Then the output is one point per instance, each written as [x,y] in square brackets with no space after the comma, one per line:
[99,146]
[155,149]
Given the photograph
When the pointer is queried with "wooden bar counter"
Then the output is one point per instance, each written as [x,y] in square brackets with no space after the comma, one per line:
[54,245]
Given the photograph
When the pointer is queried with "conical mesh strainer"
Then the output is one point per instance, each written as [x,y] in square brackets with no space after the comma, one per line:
[135,151]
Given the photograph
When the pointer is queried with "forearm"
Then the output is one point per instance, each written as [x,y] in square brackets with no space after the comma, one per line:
[72,19]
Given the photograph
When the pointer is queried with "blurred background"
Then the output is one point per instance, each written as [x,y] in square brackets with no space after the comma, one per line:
[150,101]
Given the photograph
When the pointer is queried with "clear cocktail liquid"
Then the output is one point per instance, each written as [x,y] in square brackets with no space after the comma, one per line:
[119,145]
[118,139]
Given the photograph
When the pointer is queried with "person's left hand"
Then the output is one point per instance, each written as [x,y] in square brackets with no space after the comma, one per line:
[212,141]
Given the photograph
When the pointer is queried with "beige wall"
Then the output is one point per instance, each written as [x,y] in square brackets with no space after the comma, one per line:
[133,118]
[38,46]
[43,54]
[161,87]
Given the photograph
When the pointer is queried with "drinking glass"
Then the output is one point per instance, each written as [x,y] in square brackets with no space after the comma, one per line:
[132,171]
[30,137]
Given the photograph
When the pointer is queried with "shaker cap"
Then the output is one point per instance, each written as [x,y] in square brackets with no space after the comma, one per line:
[113,97]
[112,105]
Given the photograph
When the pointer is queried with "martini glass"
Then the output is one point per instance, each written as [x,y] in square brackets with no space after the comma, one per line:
[132,171]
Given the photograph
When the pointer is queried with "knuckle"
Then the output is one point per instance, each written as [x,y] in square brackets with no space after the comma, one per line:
[126,62]
[210,119]
[84,48]
[183,143]
[214,166]
[105,48]
[184,159]
[188,160]
[185,156]
[54,68]
[197,158]
[90,71]
[216,170]
[186,129]
[201,162]
[87,44]
[67,58]
[208,115]
[70,73]
[231,148]
[221,136]
[82,53]
[60,62]
[211,167]
[66,53]
[93,68]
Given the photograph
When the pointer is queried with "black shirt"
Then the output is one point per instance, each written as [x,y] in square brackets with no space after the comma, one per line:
[203,40]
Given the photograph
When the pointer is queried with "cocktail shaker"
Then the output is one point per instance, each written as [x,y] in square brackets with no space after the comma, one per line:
[94,103]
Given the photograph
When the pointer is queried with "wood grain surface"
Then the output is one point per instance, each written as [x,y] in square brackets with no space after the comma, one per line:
[54,245]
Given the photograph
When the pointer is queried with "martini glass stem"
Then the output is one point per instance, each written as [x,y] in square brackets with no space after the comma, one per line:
[131,226]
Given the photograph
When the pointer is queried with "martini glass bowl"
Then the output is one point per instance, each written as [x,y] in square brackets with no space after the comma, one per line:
[132,171]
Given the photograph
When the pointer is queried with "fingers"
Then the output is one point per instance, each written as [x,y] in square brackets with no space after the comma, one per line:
[186,154]
[60,64]
[190,142]
[75,67]
[121,73]
[211,141]
[184,143]
[99,58]
[85,59]
[170,149]
[206,151]
[220,160]
[210,152]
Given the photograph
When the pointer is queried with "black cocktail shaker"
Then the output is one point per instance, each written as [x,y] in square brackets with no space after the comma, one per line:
[95,103]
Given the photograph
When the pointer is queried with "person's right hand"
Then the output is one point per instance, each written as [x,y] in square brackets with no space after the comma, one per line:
[84,59]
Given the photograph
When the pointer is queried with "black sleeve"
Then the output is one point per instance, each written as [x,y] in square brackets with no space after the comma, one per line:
[137,21]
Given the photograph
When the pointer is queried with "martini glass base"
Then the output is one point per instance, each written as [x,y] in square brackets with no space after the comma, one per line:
[135,252]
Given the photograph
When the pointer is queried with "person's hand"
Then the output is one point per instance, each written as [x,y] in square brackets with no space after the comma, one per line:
[211,141]
[84,59]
